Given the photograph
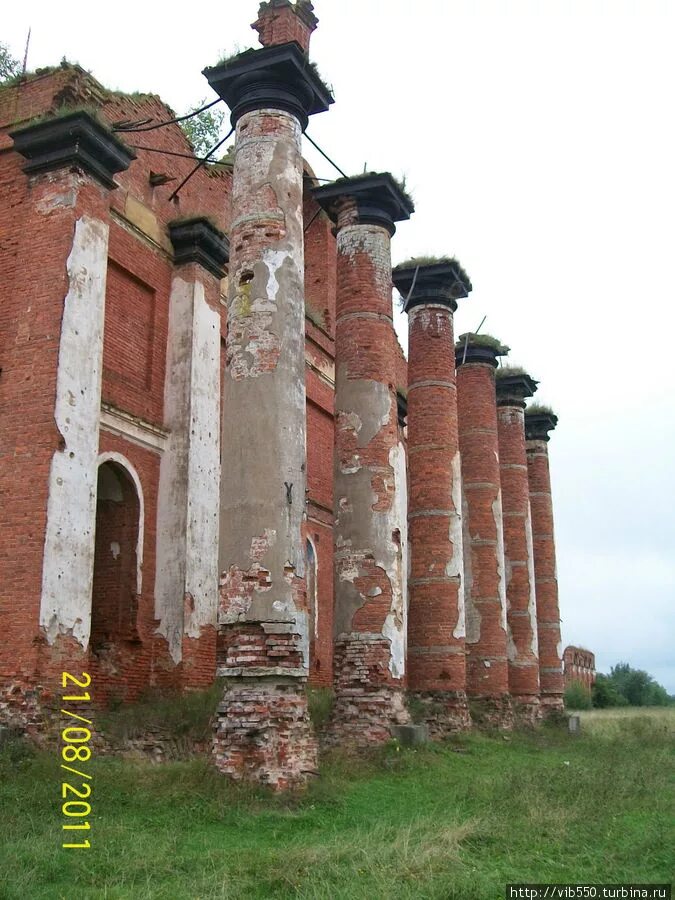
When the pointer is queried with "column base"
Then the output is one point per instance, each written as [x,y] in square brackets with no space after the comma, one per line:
[366,707]
[492,712]
[552,707]
[526,711]
[263,734]
[443,712]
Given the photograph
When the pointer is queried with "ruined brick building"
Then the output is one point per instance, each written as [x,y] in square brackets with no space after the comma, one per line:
[214,457]
[578,667]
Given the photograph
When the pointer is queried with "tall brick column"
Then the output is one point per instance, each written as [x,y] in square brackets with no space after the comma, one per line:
[513,386]
[436,628]
[538,423]
[487,675]
[369,511]
[263,730]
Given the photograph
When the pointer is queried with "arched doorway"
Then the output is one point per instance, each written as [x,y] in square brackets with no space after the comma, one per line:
[115,588]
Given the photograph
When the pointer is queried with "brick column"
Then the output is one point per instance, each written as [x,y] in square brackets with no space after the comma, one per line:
[262,731]
[369,514]
[513,386]
[52,370]
[487,675]
[538,424]
[436,655]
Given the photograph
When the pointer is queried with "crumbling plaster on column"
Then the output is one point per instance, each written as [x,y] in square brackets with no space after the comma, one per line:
[497,512]
[455,567]
[68,560]
[369,517]
[262,551]
[373,241]
[532,602]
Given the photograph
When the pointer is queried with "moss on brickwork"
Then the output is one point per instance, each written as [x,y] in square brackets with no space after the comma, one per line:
[420,261]
[541,409]
[507,371]
[482,340]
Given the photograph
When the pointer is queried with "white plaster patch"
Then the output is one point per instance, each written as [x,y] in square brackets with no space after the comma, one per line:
[455,567]
[532,601]
[395,627]
[68,559]
[375,242]
[497,512]
[188,506]
[115,549]
[203,470]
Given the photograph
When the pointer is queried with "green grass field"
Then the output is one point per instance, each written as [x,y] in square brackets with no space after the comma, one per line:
[458,820]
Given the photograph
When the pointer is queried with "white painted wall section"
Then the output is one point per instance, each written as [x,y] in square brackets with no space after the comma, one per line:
[203,492]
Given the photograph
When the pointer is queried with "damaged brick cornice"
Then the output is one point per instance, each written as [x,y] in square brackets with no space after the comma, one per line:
[276,77]
[538,425]
[198,240]
[76,140]
[513,389]
[379,199]
[437,282]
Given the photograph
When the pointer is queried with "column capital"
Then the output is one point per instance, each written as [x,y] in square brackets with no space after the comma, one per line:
[198,240]
[539,420]
[374,198]
[75,139]
[478,348]
[513,386]
[275,77]
[424,280]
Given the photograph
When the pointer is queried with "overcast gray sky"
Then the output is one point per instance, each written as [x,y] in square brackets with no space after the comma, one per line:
[538,141]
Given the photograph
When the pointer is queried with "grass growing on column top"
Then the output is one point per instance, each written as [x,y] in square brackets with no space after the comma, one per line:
[458,820]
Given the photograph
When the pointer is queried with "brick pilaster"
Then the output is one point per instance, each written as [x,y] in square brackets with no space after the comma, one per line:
[52,369]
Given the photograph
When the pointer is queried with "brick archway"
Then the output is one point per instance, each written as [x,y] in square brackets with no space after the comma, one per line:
[117,558]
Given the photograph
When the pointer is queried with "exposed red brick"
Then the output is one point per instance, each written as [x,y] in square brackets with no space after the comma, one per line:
[487,677]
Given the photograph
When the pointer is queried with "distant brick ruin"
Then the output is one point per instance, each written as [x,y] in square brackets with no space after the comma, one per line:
[578,667]
[216,460]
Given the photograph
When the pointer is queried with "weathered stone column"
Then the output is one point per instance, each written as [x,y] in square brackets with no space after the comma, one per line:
[538,422]
[369,515]
[487,675]
[263,731]
[513,386]
[436,655]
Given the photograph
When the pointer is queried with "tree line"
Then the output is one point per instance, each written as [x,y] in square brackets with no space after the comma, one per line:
[624,686]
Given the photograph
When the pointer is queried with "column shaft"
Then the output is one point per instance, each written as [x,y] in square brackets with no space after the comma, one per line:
[520,589]
[263,730]
[369,608]
[546,579]
[436,630]
[485,577]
